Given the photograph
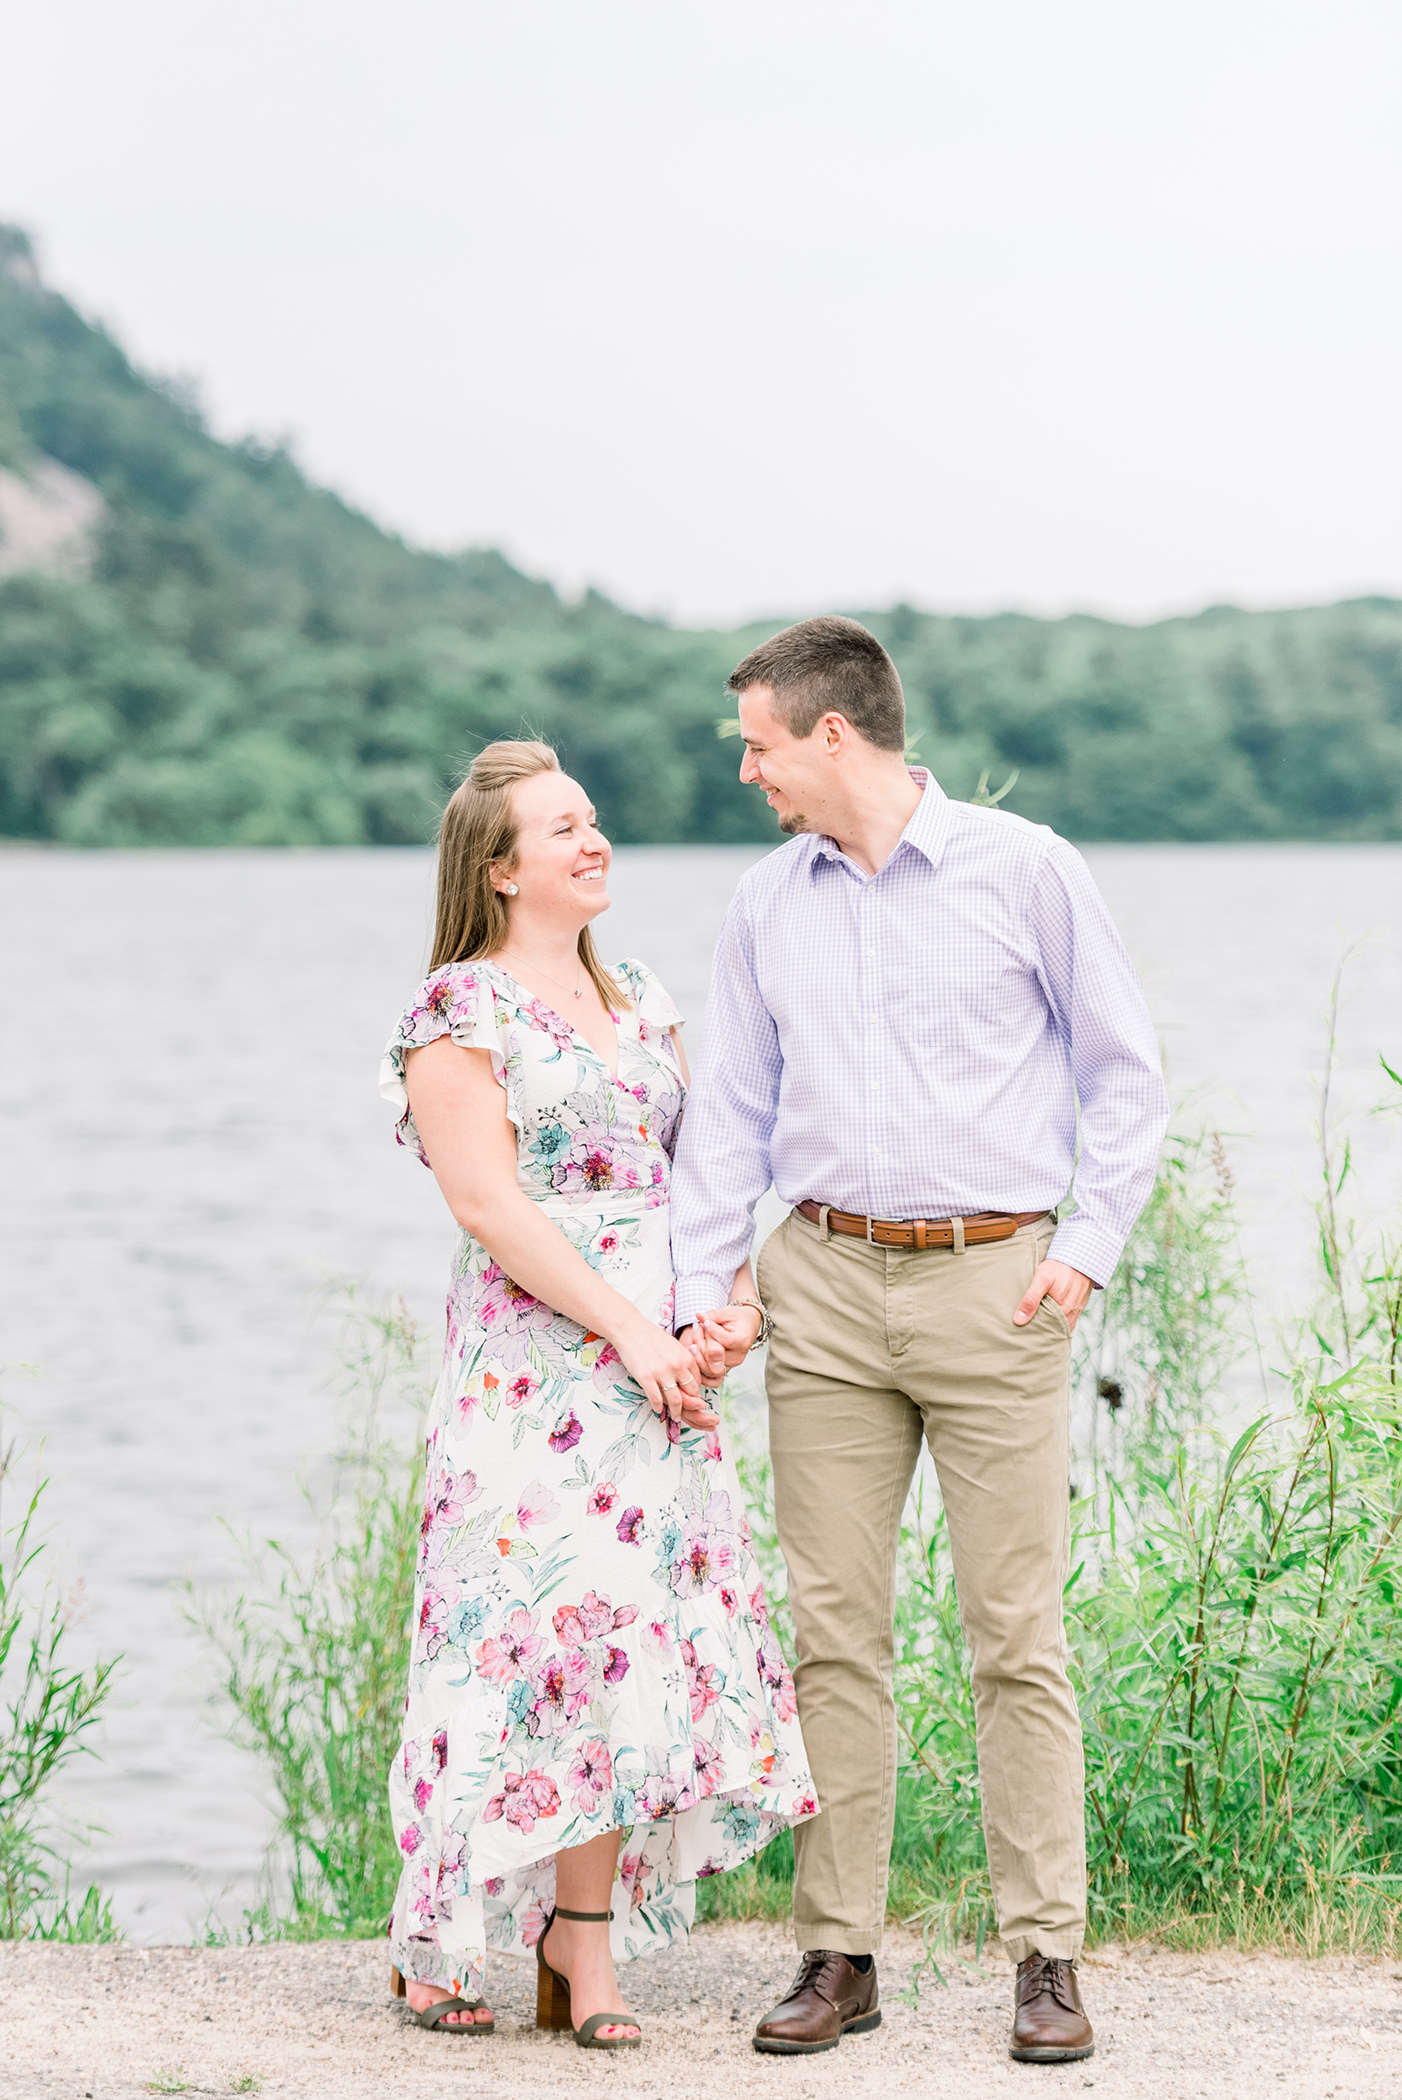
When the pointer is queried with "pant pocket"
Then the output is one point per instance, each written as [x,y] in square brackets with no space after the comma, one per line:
[765,1261]
[1054,1312]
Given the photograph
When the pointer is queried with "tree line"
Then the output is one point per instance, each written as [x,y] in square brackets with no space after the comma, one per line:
[244,659]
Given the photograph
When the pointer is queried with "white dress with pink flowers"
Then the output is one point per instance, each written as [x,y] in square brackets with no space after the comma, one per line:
[591,1648]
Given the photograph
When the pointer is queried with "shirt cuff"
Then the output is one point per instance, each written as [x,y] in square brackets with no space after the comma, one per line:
[697,1294]
[1086,1246]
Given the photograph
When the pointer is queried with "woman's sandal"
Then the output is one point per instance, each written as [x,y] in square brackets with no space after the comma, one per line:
[434,2017]
[552,1994]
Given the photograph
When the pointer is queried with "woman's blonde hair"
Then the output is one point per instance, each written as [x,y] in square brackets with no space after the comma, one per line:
[479,826]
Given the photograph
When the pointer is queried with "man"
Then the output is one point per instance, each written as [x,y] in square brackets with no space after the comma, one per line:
[922,1018]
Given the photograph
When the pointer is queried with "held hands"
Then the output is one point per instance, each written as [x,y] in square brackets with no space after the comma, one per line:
[1059,1281]
[668,1373]
[707,1355]
[722,1339]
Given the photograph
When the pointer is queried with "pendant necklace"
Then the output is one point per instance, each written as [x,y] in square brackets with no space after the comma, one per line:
[578,989]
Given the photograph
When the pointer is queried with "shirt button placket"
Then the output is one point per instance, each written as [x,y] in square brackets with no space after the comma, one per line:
[871,1007]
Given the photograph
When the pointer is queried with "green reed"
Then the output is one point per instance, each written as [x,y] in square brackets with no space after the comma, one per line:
[313,1652]
[48,1706]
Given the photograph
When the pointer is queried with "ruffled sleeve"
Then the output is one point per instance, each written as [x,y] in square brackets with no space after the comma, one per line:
[655,1007]
[459,1001]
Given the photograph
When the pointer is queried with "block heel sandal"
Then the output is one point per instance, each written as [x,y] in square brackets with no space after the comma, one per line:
[552,1994]
[433,2017]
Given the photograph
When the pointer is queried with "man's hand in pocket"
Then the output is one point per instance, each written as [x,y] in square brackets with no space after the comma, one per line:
[1058,1280]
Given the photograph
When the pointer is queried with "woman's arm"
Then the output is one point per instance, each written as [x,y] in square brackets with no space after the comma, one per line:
[460,1113]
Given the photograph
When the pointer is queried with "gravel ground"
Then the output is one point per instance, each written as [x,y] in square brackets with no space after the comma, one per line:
[114,2023]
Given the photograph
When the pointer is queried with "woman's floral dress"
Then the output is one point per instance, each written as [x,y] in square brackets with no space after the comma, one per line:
[591,1647]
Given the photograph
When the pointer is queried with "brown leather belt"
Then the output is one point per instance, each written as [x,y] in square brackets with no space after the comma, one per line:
[921,1232]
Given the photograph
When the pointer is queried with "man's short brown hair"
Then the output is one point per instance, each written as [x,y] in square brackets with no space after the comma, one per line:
[829,666]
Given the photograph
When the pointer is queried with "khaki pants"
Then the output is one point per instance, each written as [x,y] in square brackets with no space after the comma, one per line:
[874,1347]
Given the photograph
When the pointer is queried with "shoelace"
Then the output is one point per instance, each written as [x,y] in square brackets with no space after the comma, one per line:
[1051,1975]
[810,1969]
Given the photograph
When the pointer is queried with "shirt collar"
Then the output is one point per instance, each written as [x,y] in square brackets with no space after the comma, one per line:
[925,833]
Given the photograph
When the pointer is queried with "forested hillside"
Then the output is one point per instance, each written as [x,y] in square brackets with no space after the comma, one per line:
[238,657]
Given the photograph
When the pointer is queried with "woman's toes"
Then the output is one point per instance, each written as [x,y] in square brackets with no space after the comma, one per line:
[423,1995]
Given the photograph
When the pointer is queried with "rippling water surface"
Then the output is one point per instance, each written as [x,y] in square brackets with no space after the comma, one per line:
[192,1143]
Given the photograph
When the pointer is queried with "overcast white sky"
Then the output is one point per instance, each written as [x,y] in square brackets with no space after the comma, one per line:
[757,307]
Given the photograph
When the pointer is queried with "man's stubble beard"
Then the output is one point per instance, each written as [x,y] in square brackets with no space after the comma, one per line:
[790,826]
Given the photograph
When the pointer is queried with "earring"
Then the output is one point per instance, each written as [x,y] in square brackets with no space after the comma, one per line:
[509,889]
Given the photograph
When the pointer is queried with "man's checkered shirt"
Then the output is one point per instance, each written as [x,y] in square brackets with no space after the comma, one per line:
[917,1044]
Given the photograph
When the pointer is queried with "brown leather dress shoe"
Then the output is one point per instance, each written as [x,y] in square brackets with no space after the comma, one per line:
[827,1999]
[1049,2020]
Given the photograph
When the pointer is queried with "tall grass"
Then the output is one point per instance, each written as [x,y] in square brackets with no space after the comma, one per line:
[48,1707]
[314,1651]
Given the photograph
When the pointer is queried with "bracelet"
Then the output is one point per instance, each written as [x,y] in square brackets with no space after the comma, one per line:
[766,1325]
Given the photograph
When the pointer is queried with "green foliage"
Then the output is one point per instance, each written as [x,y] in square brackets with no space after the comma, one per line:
[1360,1308]
[1154,1347]
[47,1708]
[1229,725]
[251,662]
[313,1656]
[1238,1658]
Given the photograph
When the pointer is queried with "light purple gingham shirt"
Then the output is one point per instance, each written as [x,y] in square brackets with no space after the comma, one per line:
[917,1043]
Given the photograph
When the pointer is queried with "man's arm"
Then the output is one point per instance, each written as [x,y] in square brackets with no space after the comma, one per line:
[1115,1063]
[722,1163]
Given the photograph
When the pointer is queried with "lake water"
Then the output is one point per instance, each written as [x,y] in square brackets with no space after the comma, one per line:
[191,1142]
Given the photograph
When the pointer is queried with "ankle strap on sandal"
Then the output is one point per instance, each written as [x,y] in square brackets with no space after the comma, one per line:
[585,1917]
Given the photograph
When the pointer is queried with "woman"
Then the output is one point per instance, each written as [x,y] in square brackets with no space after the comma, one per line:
[591,1658]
